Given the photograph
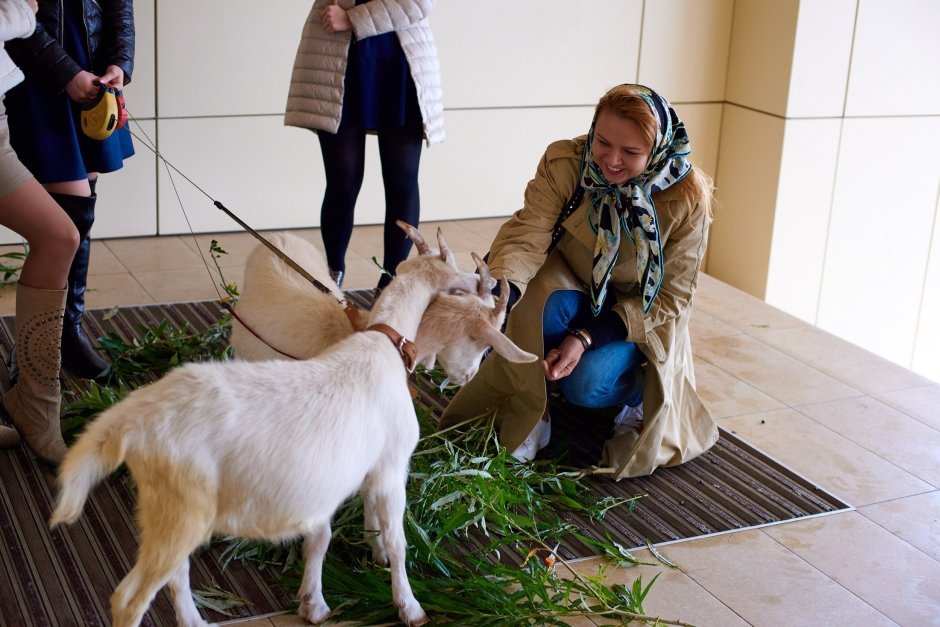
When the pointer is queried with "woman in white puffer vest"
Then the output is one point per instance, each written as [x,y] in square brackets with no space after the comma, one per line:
[364,67]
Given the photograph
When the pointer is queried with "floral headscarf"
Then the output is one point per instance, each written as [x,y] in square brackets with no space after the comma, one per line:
[630,206]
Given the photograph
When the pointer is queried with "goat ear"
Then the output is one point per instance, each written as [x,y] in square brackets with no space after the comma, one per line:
[487,282]
[414,236]
[505,347]
[446,256]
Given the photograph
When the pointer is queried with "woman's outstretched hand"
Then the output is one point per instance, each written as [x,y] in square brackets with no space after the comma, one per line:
[560,362]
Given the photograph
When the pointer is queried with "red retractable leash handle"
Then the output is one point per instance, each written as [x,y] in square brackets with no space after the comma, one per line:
[122,108]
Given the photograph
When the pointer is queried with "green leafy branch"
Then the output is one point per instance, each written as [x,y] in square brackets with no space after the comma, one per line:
[11,272]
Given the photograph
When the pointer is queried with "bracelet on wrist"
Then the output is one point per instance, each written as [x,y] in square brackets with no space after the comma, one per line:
[583,336]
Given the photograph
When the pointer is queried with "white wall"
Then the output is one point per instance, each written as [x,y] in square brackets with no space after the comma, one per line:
[516,76]
[827,170]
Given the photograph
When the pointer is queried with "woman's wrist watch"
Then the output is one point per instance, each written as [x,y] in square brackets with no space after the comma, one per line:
[583,336]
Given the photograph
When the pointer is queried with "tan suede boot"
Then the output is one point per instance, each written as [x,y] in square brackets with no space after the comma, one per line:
[32,405]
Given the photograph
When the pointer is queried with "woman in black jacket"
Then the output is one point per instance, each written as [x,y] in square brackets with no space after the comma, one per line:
[78,47]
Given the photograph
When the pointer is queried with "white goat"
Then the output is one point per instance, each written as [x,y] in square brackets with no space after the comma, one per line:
[268,450]
[294,318]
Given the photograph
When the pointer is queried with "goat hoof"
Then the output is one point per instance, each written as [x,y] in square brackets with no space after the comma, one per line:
[412,615]
[314,613]
[379,556]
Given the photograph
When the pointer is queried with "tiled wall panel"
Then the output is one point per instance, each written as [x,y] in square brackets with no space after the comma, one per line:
[226,57]
[141,94]
[685,48]
[894,60]
[489,157]
[703,123]
[761,55]
[534,52]
[127,199]
[801,215]
[821,53]
[926,358]
[740,239]
[880,234]
[268,175]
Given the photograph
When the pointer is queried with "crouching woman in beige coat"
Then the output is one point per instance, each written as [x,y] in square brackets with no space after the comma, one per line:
[604,259]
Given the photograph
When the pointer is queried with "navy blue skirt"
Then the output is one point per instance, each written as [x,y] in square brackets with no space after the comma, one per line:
[379,90]
[45,128]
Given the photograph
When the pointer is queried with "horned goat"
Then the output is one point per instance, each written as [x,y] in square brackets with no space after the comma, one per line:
[269,450]
[289,317]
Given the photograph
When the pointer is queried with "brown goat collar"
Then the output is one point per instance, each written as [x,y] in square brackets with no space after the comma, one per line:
[406,348]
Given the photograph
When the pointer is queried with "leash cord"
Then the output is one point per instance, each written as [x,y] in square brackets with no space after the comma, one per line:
[149,144]
[350,310]
[406,347]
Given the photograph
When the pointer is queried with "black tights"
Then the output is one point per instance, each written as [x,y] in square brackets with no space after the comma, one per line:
[344,162]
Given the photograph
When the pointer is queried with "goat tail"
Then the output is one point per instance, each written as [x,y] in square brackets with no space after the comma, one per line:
[97,453]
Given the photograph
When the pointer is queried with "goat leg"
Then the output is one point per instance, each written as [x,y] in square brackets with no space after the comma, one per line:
[313,607]
[390,506]
[372,528]
[186,613]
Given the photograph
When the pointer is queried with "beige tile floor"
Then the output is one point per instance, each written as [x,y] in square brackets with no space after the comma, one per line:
[859,426]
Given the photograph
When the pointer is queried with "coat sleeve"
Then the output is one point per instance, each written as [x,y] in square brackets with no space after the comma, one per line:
[17,20]
[519,249]
[384,16]
[118,38]
[683,249]
[41,56]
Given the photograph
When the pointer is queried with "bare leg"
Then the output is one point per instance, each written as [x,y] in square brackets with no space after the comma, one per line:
[53,239]
[80,187]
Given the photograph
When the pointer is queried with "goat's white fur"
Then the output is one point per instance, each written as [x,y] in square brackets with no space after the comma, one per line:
[293,316]
[264,449]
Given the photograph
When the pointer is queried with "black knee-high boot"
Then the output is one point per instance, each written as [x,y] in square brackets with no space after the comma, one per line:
[79,357]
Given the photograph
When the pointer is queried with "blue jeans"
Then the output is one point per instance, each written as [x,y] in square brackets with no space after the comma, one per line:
[608,376]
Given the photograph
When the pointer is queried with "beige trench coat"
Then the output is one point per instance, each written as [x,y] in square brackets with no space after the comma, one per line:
[676,427]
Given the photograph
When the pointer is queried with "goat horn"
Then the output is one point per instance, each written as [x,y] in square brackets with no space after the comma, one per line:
[503,301]
[415,236]
[446,255]
[487,282]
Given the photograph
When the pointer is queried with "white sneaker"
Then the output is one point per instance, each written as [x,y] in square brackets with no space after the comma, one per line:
[628,418]
[536,440]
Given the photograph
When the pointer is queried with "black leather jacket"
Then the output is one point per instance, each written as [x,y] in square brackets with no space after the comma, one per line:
[109,33]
